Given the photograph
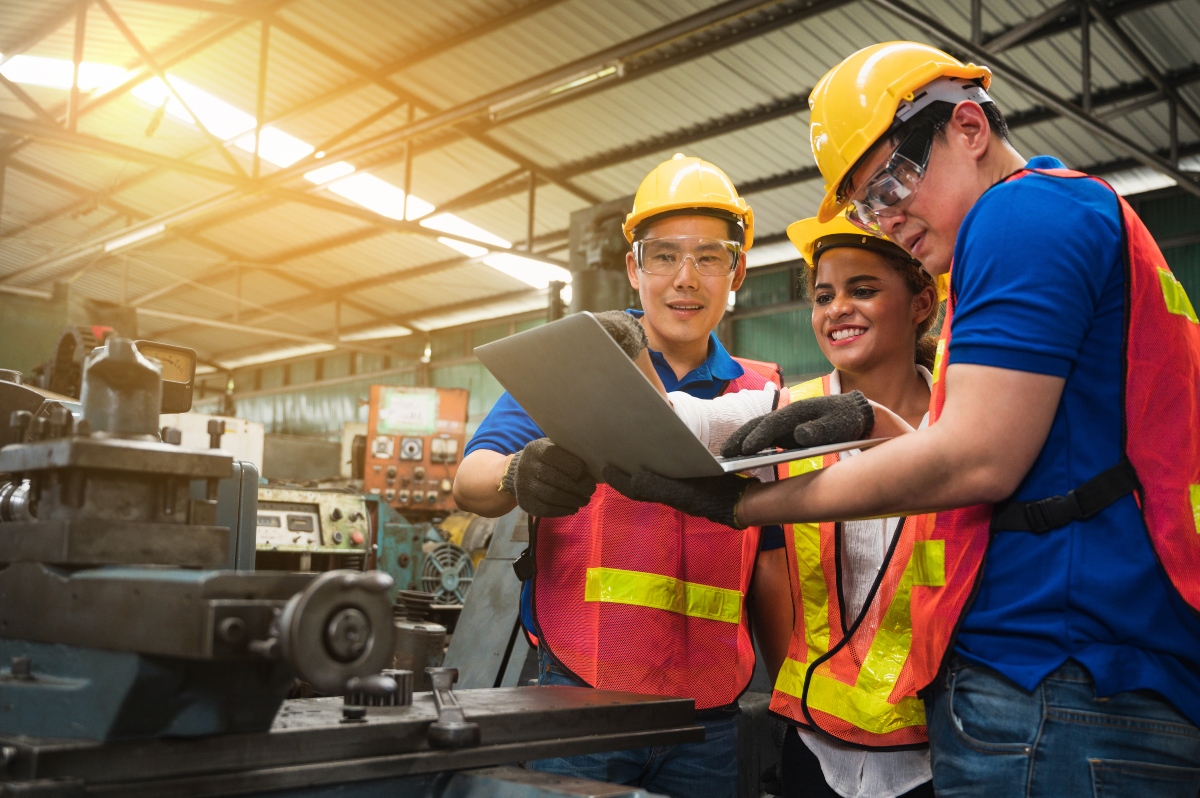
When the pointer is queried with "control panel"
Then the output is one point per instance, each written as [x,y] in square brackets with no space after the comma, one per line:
[415,439]
[306,522]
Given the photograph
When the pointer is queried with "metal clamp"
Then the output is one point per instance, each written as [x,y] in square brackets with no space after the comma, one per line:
[451,729]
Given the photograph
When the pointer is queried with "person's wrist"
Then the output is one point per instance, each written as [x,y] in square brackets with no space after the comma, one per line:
[508,476]
[742,513]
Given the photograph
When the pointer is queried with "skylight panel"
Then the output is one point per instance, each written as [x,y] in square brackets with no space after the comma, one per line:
[449,223]
[378,195]
[533,272]
[279,148]
[470,250]
[276,354]
[329,172]
[58,73]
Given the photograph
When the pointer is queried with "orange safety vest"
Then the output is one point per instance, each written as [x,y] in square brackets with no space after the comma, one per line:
[638,597]
[1161,440]
[850,678]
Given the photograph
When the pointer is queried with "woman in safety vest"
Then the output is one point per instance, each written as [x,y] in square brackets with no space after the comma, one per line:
[873,309]
[859,726]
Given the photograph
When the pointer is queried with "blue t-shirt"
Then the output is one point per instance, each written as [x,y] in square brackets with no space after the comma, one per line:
[1039,286]
[508,428]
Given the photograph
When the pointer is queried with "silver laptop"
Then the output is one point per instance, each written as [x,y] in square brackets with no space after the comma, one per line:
[576,383]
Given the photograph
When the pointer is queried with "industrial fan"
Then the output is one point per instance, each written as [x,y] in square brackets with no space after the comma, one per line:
[447,572]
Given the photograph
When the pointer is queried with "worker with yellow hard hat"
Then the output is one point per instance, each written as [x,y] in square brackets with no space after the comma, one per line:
[1054,581]
[632,596]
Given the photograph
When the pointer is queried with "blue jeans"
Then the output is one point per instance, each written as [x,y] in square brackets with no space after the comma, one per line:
[989,737]
[688,770]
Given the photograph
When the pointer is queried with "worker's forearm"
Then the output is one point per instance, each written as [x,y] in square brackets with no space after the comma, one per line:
[477,484]
[771,609]
[994,424]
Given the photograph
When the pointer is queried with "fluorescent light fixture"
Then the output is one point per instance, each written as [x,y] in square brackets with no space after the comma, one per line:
[470,250]
[379,195]
[134,237]
[535,97]
[583,81]
[277,147]
[58,73]
[449,223]
[325,174]
[202,370]
[533,272]
[375,333]
[276,354]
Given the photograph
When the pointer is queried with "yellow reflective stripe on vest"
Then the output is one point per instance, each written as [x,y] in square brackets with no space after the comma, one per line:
[939,360]
[660,592]
[864,709]
[1174,295]
[865,703]
[805,390]
[807,539]
[1194,491]
[929,563]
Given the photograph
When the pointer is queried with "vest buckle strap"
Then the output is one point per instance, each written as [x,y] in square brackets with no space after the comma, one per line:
[1079,504]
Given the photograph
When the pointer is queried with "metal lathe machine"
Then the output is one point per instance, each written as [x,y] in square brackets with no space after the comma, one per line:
[134,661]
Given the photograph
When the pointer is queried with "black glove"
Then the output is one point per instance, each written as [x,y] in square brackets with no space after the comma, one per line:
[812,422]
[714,498]
[547,480]
[625,330]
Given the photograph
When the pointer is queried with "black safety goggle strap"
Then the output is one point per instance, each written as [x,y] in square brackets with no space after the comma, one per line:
[1079,504]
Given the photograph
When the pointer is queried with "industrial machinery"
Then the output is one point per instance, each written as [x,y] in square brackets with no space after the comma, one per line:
[306,530]
[138,665]
[415,438]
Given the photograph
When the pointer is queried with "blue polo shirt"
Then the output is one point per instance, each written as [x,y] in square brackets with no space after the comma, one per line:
[1039,286]
[507,428]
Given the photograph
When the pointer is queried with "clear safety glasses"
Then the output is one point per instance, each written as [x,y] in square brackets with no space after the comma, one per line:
[712,257]
[891,189]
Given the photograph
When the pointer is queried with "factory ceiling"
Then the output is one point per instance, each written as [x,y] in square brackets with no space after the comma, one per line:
[273,177]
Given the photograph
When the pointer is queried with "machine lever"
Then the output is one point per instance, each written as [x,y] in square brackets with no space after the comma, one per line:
[451,729]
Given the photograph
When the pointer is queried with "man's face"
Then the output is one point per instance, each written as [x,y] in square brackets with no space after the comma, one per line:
[686,306]
[928,226]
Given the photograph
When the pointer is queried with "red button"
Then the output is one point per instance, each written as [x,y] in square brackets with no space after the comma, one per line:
[357,538]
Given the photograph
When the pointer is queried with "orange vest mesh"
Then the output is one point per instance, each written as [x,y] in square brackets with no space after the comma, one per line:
[645,649]
[857,689]
[1161,357]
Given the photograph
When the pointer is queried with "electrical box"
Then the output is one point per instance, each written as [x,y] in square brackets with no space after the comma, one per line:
[311,530]
[415,439]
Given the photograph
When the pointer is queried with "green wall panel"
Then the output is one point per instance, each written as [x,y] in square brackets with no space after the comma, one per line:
[785,338]
[29,330]
[765,289]
[475,378]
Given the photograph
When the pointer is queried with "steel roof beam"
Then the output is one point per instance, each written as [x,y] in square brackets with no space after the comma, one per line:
[1144,63]
[1064,107]
[364,71]
[187,44]
[672,43]
[296,110]
[1052,24]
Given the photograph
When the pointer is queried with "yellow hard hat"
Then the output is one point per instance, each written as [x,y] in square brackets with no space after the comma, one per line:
[855,103]
[814,237]
[688,182]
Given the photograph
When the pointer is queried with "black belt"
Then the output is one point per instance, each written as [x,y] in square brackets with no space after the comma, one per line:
[1077,505]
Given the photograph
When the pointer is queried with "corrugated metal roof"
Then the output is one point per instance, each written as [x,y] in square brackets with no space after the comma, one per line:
[193,275]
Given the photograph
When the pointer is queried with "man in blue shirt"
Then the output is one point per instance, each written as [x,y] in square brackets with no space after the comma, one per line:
[689,231]
[1076,668]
